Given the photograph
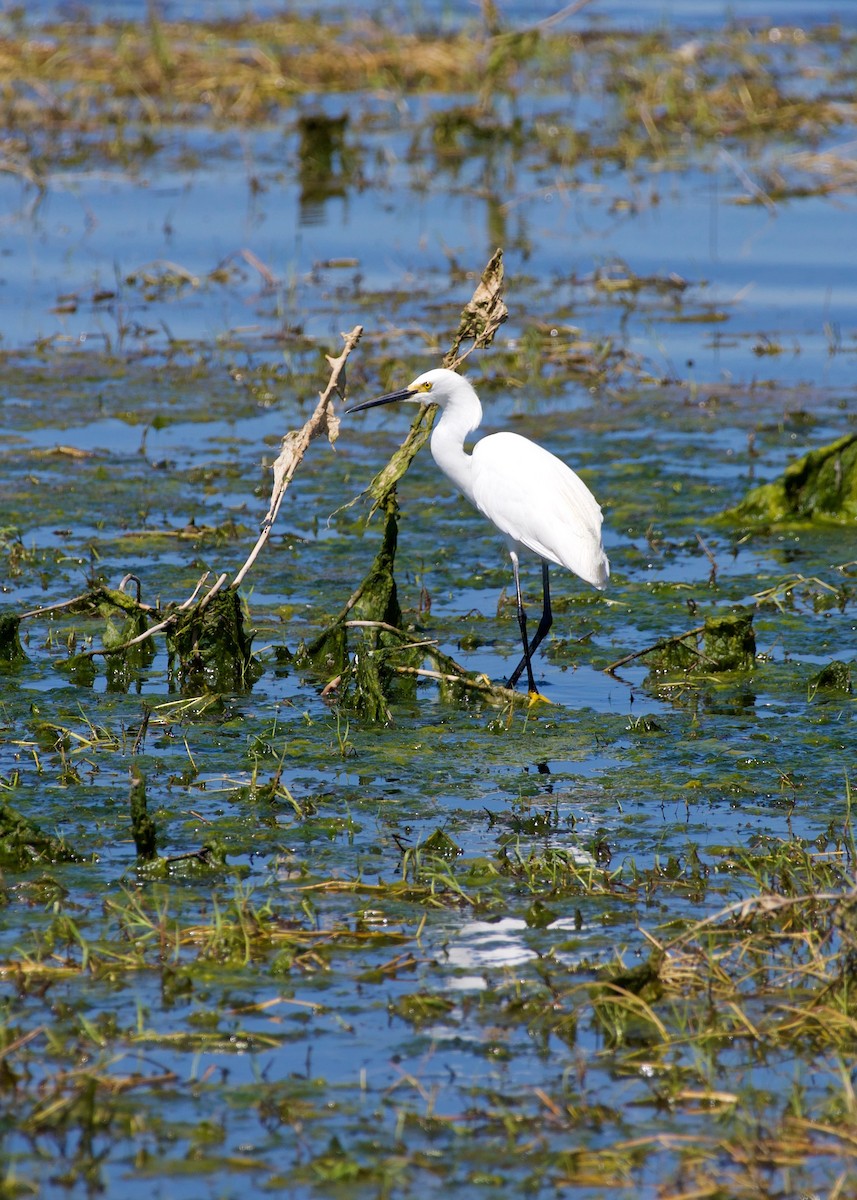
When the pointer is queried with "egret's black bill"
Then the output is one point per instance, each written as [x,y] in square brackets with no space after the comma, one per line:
[390,398]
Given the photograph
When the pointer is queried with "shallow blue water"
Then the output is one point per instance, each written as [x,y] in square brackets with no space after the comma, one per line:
[625,13]
[782,274]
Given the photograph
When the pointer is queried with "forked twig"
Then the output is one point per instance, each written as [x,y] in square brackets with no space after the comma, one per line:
[295,444]
[294,447]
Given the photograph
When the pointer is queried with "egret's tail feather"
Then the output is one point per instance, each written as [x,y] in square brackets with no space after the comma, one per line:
[601,574]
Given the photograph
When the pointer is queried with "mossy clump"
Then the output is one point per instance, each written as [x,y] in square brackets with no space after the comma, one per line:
[23,843]
[128,659]
[11,650]
[822,484]
[441,845]
[834,680]
[212,647]
[375,600]
[726,642]
[729,643]
[142,826]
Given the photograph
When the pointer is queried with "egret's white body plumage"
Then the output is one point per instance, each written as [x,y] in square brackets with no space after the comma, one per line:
[530,495]
[534,500]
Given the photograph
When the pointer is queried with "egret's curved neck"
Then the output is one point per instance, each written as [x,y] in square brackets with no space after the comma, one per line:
[456,421]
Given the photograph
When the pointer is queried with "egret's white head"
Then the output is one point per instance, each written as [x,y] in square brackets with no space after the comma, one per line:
[439,386]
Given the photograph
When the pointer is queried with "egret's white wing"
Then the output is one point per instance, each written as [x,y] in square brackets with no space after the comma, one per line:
[535,500]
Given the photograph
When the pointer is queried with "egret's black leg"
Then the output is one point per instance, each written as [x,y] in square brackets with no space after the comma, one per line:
[522,622]
[543,627]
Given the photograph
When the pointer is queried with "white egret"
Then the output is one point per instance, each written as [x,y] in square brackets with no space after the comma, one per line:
[531,496]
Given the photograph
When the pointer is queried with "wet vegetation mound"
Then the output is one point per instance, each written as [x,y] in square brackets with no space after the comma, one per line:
[820,485]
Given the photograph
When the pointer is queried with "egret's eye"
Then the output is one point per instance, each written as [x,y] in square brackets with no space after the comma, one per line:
[423,387]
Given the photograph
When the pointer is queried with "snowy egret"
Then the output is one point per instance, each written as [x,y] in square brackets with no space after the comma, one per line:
[531,496]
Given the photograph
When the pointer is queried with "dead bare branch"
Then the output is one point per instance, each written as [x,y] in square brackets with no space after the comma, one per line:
[661,645]
[472,683]
[295,444]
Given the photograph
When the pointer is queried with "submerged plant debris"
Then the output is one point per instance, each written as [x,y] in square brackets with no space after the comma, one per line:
[329,912]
